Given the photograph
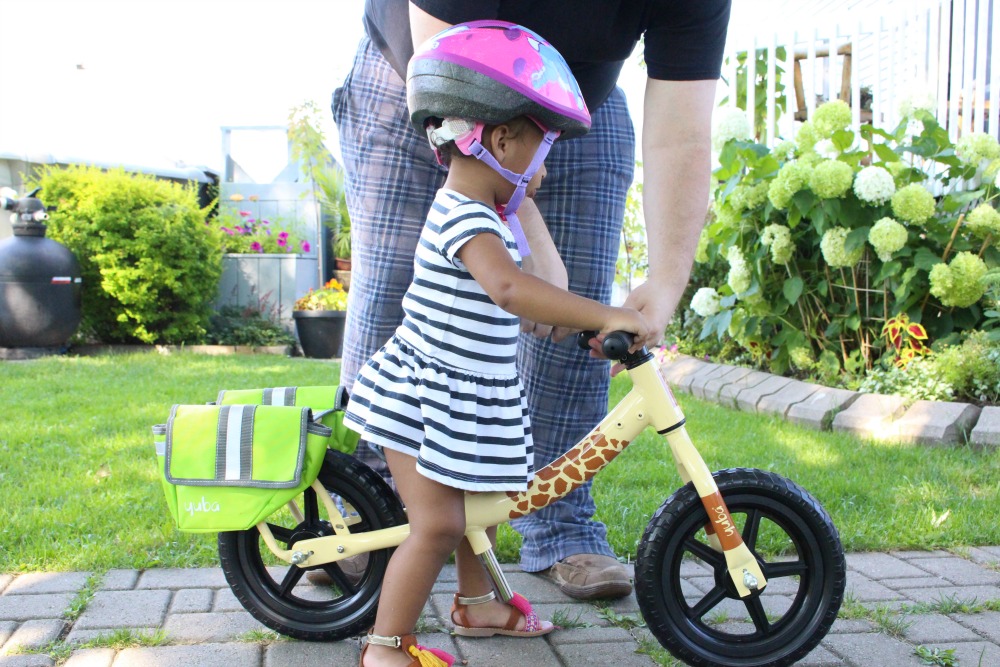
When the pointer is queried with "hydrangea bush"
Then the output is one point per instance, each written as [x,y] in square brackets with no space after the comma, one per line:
[813,245]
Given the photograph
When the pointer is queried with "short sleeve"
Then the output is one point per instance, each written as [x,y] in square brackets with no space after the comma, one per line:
[684,40]
[464,223]
[459,11]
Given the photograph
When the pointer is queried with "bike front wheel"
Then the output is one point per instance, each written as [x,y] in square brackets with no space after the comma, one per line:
[278,595]
[700,618]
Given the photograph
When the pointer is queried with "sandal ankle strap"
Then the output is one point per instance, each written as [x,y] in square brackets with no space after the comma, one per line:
[379,640]
[479,599]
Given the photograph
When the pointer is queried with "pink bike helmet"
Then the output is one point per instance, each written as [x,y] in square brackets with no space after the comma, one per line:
[492,72]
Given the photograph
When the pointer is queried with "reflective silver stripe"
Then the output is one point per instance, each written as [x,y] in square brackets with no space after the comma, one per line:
[161,447]
[234,441]
[220,442]
[279,396]
[246,443]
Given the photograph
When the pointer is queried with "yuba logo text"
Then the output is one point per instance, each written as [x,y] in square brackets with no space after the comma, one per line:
[722,518]
[203,506]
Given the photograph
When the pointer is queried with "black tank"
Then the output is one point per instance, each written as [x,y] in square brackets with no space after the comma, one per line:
[40,281]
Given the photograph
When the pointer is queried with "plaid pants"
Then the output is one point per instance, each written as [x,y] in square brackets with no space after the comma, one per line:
[391,179]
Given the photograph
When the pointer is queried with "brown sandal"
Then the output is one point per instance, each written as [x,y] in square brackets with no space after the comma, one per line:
[422,656]
[533,627]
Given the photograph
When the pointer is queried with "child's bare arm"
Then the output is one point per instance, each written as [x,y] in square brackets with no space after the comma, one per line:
[526,296]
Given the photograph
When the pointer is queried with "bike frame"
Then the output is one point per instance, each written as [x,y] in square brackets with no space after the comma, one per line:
[649,403]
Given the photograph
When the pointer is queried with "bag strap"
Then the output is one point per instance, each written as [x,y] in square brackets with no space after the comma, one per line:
[339,404]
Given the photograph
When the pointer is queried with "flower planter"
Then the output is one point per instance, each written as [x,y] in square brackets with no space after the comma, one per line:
[320,332]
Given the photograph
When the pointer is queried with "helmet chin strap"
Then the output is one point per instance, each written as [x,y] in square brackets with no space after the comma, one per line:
[467,136]
[508,211]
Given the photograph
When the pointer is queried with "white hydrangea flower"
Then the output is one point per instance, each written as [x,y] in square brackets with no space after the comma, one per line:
[739,278]
[914,128]
[874,185]
[997,181]
[917,97]
[730,123]
[887,237]
[825,149]
[706,302]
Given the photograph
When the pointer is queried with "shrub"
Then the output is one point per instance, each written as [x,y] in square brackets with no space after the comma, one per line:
[972,368]
[847,236]
[245,325]
[919,381]
[150,264]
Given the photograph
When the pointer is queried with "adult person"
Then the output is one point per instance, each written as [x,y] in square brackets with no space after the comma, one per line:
[572,226]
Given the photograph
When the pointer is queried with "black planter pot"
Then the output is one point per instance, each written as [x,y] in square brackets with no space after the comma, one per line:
[320,332]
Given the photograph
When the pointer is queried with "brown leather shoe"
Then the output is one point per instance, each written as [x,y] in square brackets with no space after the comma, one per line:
[353,568]
[590,577]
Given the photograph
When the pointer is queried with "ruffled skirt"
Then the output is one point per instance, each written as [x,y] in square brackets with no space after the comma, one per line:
[467,431]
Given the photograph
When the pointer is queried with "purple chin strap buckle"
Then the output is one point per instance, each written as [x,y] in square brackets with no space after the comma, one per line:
[467,136]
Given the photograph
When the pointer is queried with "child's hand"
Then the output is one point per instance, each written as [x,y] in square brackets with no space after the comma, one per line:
[630,320]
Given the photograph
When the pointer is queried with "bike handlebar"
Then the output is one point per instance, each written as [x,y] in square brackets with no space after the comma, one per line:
[615,345]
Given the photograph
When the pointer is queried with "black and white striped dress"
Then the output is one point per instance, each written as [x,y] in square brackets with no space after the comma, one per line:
[445,387]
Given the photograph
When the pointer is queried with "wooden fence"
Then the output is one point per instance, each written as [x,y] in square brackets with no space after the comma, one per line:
[873,59]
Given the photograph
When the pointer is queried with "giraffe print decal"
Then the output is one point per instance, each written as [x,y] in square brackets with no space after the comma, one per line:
[566,473]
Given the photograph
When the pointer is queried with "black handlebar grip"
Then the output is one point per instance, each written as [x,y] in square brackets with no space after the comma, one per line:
[615,346]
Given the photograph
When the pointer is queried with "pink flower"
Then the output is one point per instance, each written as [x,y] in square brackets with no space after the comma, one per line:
[282,235]
[305,246]
[256,247]
[240,230]
[282,242]
[250,221]
[265,222]
[244,214]
[227,230]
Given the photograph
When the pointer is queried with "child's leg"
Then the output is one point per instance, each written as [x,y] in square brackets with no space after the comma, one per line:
[437,523]
[473,581]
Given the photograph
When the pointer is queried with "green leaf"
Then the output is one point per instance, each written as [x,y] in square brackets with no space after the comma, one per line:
[885,153]
[856,238]
[794,217]
[888,270]
[925,259]
[793,289]
[842,139]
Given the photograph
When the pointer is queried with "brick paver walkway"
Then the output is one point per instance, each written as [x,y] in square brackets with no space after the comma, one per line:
[896,602]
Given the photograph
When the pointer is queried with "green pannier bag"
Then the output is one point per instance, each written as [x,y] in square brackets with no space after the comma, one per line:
[228,467]
[327,404]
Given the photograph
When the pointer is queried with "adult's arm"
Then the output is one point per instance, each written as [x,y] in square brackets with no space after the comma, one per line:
[676,154]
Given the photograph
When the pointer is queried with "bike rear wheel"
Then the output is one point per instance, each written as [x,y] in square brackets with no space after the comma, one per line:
[279,595]
[701,619]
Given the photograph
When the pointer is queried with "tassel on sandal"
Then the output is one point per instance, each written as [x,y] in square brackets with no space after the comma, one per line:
[533,627]
[422,656]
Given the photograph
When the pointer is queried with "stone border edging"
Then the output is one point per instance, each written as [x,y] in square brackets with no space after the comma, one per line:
[873,416]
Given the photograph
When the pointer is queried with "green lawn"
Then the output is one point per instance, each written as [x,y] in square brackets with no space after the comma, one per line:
[81,492]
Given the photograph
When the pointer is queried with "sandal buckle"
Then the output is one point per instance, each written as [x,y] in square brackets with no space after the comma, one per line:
[392,642]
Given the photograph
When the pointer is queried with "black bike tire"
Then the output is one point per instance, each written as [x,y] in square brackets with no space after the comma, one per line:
[378,507]
[657,582]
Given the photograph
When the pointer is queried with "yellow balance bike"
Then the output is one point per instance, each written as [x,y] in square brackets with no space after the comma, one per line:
[771,565]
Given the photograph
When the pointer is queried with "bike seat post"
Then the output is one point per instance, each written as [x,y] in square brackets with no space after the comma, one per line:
[483,549]
[500,585]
